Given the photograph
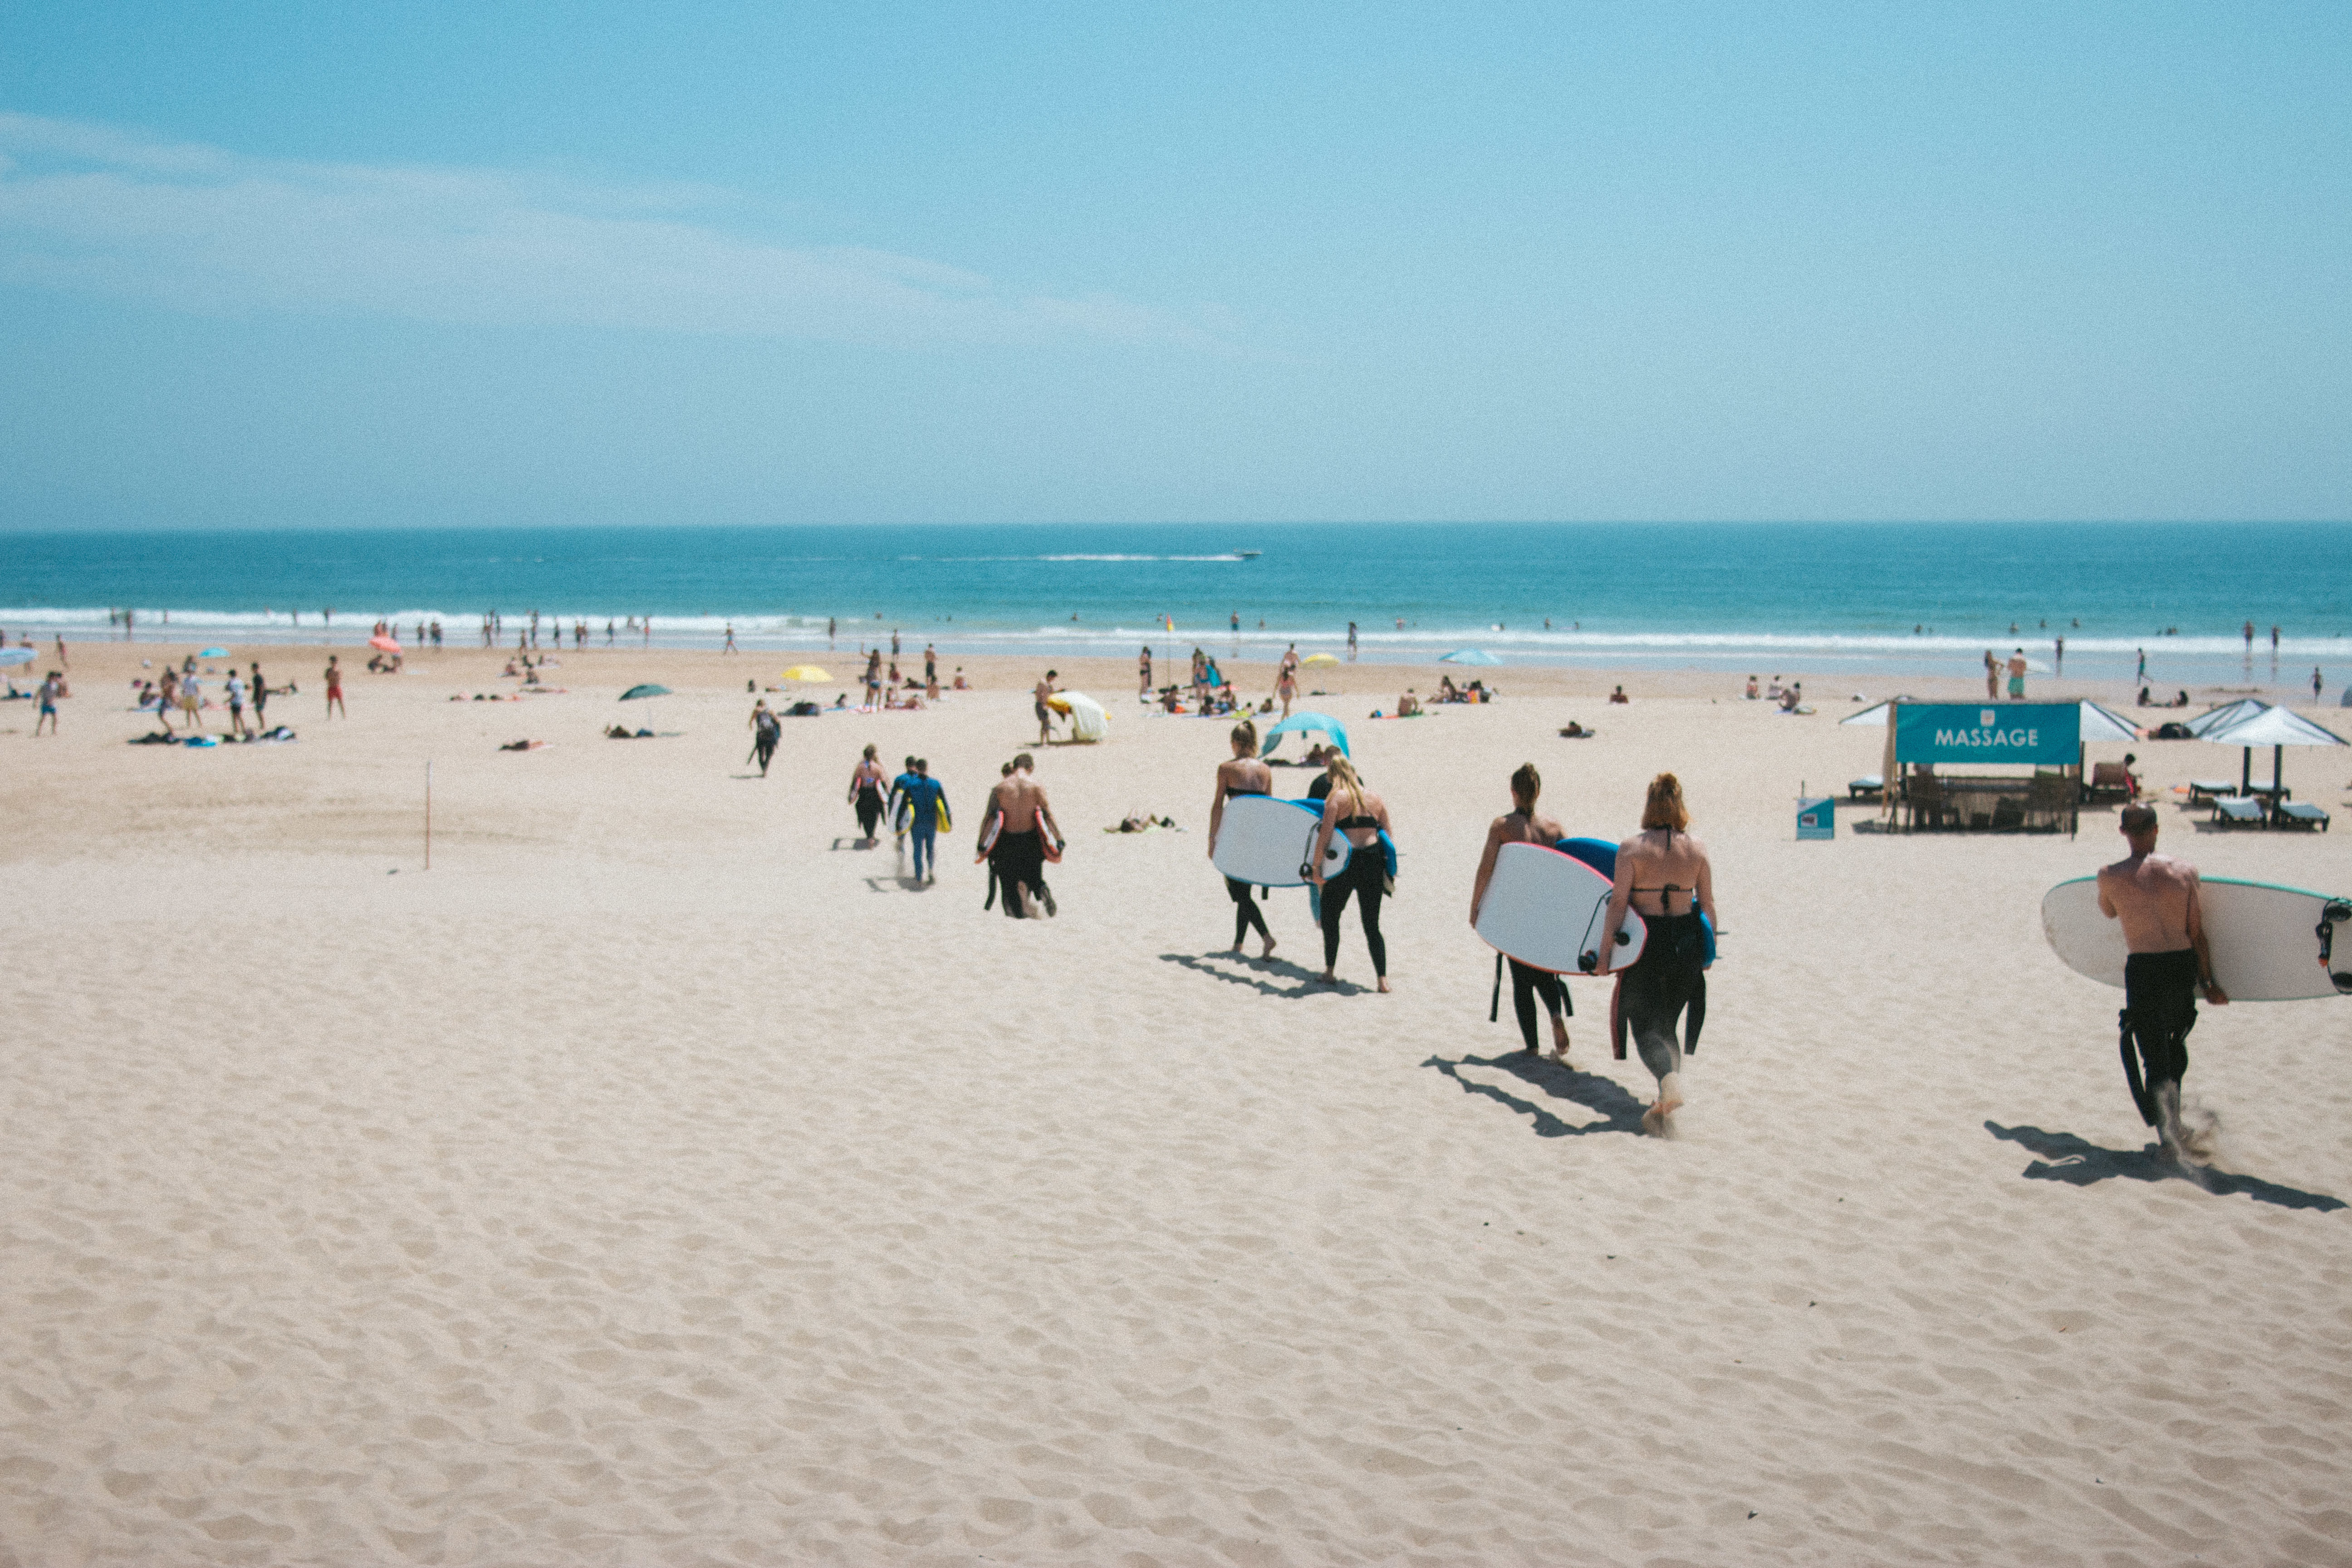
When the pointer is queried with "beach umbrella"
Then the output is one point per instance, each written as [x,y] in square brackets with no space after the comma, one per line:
[2229,714]
[805,672]
[1466,656]
[15,656]
[1087,719]
[1320,659]
[2277,728]
[635,692]
[214,653]
[2105,724]
[388,645]
[1320,723]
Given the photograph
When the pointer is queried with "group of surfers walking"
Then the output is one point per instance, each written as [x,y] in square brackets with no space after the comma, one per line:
[1018,836]
[1662,874]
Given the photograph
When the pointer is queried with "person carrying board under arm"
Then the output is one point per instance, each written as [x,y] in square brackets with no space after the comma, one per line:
[1663,874]
[2154,897]
[1522,825]
[1242,773]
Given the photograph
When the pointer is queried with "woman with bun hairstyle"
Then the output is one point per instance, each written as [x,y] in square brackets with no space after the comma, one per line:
[1522,825]
[1242,773]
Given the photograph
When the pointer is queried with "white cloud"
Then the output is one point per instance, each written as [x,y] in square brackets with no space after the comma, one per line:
[88,206]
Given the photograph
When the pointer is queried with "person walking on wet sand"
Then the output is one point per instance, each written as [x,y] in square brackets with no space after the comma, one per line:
[335,688]
[865,793]
[51,685]
[2169,962]
[1240,775]
[1520,825]
[1018,857]
[1664,875]
[2017,676]
[1357,814]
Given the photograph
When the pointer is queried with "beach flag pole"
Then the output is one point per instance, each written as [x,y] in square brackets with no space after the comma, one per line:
[428,815]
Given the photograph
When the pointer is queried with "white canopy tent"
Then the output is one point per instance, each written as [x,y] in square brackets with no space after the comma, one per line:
[2229,714]
[2277,728]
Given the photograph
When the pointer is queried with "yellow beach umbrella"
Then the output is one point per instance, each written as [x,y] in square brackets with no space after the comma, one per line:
[806,672]
[1320,659]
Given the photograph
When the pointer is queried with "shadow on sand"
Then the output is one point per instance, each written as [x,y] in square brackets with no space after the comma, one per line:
[1254,973]
[1620,1112]
[2078,1162]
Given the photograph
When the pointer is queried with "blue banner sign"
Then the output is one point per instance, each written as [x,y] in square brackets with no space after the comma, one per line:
[2046,732]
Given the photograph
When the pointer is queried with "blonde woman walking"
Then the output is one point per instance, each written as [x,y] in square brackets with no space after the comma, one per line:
[1663,874]
[1360,817]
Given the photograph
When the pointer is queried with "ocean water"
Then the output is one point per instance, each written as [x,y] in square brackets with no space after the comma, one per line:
[1875,598]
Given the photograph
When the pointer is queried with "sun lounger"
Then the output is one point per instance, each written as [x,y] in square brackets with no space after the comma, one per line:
[2204,789]
[2299,813]
[2242,811]
[1870,786]
[2109,781]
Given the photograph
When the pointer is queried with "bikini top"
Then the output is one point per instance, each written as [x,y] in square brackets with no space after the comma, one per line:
[1359,820]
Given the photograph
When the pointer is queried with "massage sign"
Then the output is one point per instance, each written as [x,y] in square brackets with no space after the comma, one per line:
[2035,732]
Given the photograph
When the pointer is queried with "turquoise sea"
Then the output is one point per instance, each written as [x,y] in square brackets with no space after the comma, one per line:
[1882,598]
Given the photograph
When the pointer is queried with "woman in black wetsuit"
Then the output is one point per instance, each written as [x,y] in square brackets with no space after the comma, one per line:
[1243,774]
[1522,825]
[1361,816]
[865,790]
[1664,875]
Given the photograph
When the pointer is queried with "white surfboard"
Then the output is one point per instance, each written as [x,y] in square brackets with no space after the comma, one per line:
[1545,909]
[2268,941]
[1268,840]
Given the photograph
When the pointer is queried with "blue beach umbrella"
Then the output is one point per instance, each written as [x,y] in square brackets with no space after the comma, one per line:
[637,693]
[214,653]
[1469,656]
[1321,723]
[15,656]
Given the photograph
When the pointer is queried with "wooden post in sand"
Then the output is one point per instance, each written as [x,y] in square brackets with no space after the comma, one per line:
[428,817]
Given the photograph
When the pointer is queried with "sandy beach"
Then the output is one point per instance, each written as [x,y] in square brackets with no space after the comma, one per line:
[662,1178]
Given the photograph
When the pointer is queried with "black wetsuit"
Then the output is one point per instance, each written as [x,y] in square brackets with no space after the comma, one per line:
[1668,977]
[2159,1009]
[1246,914]
[1527,985]
[1019,860]
[1366,877]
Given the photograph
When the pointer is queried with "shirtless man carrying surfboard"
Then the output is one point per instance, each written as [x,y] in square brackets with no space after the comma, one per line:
[1018,855]
[2154,897]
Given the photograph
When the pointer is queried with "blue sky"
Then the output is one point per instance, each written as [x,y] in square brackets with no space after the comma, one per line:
[303,264]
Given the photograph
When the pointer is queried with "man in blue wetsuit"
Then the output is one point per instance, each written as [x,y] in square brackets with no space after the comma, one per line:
[926,800]
[896,804]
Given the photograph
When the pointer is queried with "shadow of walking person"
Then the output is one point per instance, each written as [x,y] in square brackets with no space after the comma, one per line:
[2079,1162]
[1619,1112]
